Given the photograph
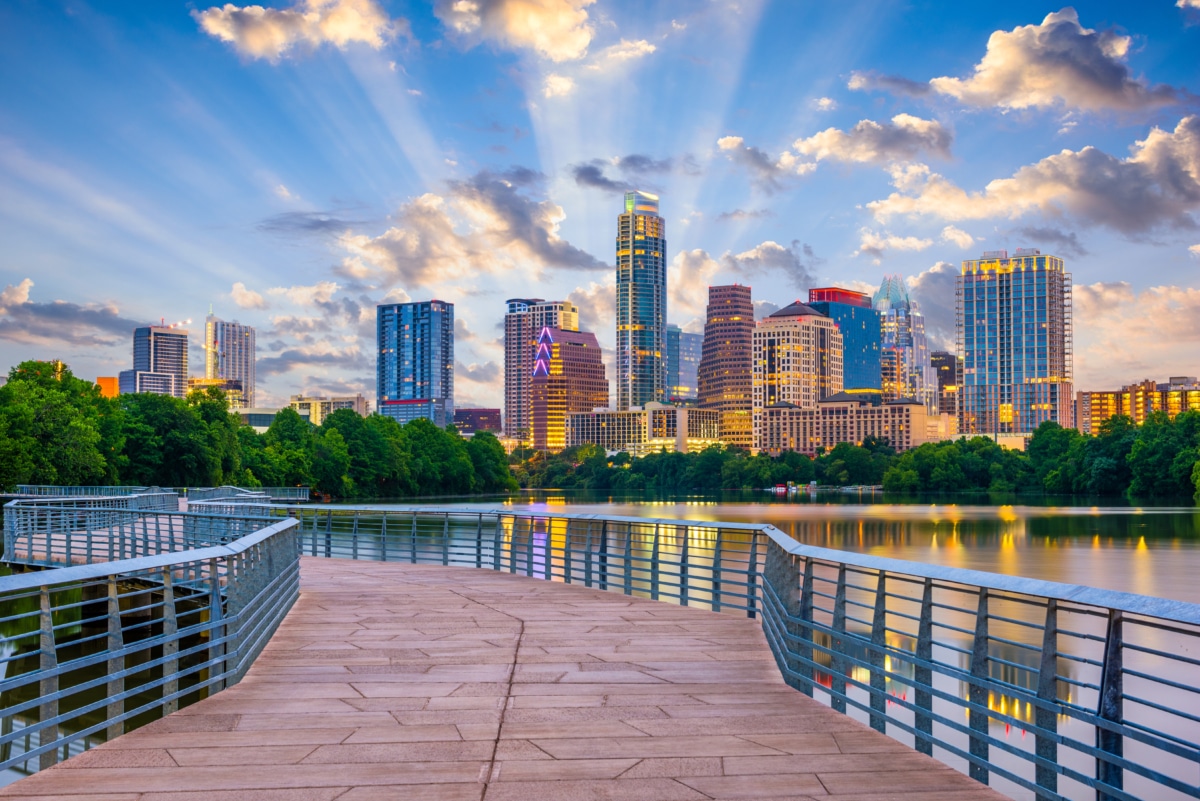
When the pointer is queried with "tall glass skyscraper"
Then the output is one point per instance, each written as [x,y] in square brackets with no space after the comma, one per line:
[415,361]
[641,302]
[1014,333]
[725,375]
[160,362]
[684,352]
[904,333]
[229,351]
[862,333]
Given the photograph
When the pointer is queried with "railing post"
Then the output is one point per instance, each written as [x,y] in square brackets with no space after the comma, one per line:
[328,533]
[654,552]
[716,572]
[587,556]
[498,542]
[977,696]
[216,628]
[412,541]
[170,635]
[804,631]
[837,660]
[604,554]
[383,537]
[48,686]
[1111,708]
[1045,715]
[354,538]
[567,567]
[116,685]
[629,558]
[752,577]
[923,673]
[683,566]
[878,657]
[445,539]
[479,542]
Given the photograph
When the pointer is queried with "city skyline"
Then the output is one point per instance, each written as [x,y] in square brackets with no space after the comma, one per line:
[160,160]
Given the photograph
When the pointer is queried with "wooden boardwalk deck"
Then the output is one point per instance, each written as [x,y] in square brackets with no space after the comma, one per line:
[428,683]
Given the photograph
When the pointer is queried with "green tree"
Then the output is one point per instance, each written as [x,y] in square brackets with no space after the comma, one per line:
[490,463]
[331,463]
[440,462]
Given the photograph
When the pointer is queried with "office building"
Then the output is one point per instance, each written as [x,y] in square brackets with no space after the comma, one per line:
[1137,401]
[568,377]
[684,352]
[468,421]
[231,387]
[109,386]
[948,369]
[523,323]
[316,409]
[229,354]
[797,358]
[652,429]
[1014,334]
[641,348]
[160,362]
[725,375]
[903,330]
[862,334]
[844,417]
[415,362]
[260,419]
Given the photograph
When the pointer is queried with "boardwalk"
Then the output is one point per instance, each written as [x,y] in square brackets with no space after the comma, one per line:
[428,683]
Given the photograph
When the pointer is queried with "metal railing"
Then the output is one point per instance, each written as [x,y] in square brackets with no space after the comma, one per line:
[257,494]
[1041,689]
[51,490]
[91,651]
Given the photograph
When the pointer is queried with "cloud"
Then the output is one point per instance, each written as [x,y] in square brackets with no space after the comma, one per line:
[556,30]
[60,323]
[1157,186]
[771,258]
[304,222]
[485,373]
[597,302]
[902,139]
[692,272]
[319,355]
[934,293]
[763,308]
[316,294]
[1119,333]
[875,244]
[957,236]
[825,104]
[557,86]
[1195,249]
[1057,63]
[623,50]
[592,174]
[486,224]
[270,33]
[1188,4]
[246,298]
[768,173]
[283,193]
[871,81]
[737,215]
[689,276]
[1064,242]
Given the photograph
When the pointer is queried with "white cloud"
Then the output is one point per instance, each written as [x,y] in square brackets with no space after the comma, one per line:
[769,173]
[933,291]
[1158,185]
[626,50]
[1195,249]
[16,295]
[556,30]
[283,193]
[597,302]
[60,322]
[825,104]
[320,292]
[958,236]
[876,244]
[1058,62]
[271,33]
[688,278]
[902,139]
[1188,4]
[246,298]
[557,85]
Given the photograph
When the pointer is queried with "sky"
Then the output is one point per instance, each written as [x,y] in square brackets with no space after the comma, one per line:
[290,166]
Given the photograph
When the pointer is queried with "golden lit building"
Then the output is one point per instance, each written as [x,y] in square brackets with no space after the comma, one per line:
[109,386]
[568,376]
[230,386]
[725,376]
[317,409]
[651,429]
[844,417]
[1137,402]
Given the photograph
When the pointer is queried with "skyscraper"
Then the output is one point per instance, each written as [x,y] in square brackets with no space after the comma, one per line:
[797,358]
[683,363]
[1014,333]
[415,361]
[641,302]
[948,368]
[568,377]
[862,333]
[523,324]
[160,361]
[903,330]
[724,377]
[229,354]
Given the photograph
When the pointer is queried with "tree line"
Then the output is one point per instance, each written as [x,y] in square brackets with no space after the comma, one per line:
[58,429]
[1160,458]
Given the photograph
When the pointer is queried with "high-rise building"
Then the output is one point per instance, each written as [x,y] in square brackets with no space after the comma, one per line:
[862,333]
[316,409]
[641,302]
[468,421]
[843,417]
[1137,401]
[948,368]
[229,354]
[415,364]
[797,358]
[1014,333]
[653,428]
[725,375]
[568,377]
[230,386]
[523,323]
[160,362]
[684,352]
[903,330]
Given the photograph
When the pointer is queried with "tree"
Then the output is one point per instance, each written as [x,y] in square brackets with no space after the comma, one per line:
[440,463]
[331,463]
[490,463]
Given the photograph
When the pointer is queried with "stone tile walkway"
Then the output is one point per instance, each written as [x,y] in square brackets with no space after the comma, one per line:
[429,683]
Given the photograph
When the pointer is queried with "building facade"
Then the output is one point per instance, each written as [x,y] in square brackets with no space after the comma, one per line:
[414,374]
[229,354]
[110,386]
[568,377]
[655,428]
[1014,334]
[641,302]
[684,352]
[316,409]
[1137,401]
[725,377]
[797,358]
[948,369]
[231,387]
[523,322]
[862,334]
[903,331]
[468,421]
[843,417]
[160,362]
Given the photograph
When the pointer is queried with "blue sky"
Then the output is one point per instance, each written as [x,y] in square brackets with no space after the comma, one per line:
[296,164]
